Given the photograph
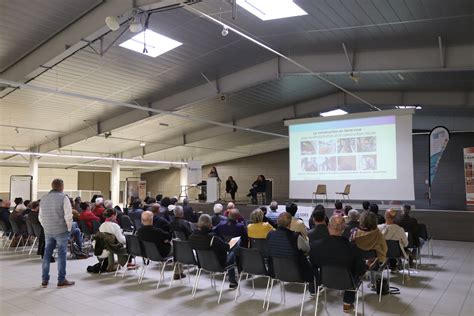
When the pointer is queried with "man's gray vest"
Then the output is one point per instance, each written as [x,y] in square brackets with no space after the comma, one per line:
[52,213]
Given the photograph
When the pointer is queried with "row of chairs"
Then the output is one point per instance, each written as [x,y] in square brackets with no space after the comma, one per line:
[33,233]
[321,189]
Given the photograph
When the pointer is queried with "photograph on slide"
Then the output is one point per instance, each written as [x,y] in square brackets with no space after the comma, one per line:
[308,148]
[366,144]
[346,145]
[309,164]
[327,147]
[346,163]
[367,162]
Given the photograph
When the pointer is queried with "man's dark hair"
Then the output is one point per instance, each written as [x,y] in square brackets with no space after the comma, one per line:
[84,206]
[159,197]
[146,200]
[26,202]
[173,200]
[292,208]
[34,204]
[374,208]
[18,201]
[366,205]
[347,208]
[151,200]
[338,205]
[264,209]
[318,215]
[109,212]
[165,202]
[137,203]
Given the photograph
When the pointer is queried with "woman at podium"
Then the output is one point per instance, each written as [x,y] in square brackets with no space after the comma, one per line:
[213,174]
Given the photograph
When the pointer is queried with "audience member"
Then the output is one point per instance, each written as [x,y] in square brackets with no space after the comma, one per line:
[18,218]
[367,237]
[311,219]
[273,213]
[392,231]
[179,224]
[347,208]
[365,206]
[99,208]
[159,221]
[110,226]
[203,238]
[232,228]
[18,201]
[374,208]
[283,242]
[27,203]
[189,213]
[409,224]
[320,229]
[338,210]
[352,222]
[231,187]
[77,204]
[258,229]
[217,217]
[266,219]
[336,250]
[5,214]
[297,225]
[135,213]
[87,216]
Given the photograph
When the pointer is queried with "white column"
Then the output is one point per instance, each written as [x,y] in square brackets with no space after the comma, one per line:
[183,183]
[34,174]
[115,183]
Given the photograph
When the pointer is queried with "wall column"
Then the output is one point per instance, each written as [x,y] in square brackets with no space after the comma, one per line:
[34,174]
[115,183]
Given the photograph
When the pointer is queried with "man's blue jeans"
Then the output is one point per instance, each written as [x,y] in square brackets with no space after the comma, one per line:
[53,241]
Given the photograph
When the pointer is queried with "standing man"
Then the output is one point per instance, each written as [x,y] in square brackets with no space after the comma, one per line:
[56,218]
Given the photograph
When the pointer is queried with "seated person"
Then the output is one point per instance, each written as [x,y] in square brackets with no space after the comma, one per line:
[179,224]
[230,207]
[392,231]
[159,221]
[258,229]
[33,219]
[297,224]
[135,213]
[258,186]
[367,237]
[17,217]
[338,210]
[311,219]
[347,208]
[374,208]
[231,228]
[320,229]
[203,238]
[99,208]
[409,224]
[266,219]
[352,222]
[189,213]
[5,214]
[87,216]
[284,242]
[336,250]
[365,206]
[217,217]
[111,227]
[161,238]
[273,213]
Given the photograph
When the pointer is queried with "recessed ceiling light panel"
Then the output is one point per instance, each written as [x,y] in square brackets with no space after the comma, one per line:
[333,113]
[271,9]
[156,44]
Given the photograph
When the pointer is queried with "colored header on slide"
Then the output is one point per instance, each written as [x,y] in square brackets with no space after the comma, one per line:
[370,121]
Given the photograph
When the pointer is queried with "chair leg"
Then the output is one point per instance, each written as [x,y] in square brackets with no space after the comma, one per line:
[18,244]
[162,274]
[198,275]
[142,275]
[317,301]
[174,270]
[28,239]
[222,287]
[270,294]
[253,285]
[302,301]
[381,284]
[126,267]
[362,296]
[266,292]
[237,292]
[282,288]
[357,302]
[32,246]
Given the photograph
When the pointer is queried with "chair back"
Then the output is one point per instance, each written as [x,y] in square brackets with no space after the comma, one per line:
[180,235]
[37,229]
[260,244]
[287,269]
[151,251]
[137,224]
[368,254]
[423,232]
[251,261]
[3,226]
[347,189]
[84,228]
[412,241]
[208,261]
[126,223]
[393,249]
[336,277]
[183,252]
[30,229]
[15,228]
[133,246]
[95,227]
[193,226]
[321,189]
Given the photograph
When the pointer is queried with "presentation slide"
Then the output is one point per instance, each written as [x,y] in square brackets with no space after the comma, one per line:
[355,149]
[370,151]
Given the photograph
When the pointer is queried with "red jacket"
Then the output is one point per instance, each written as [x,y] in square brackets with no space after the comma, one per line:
[99,212]
[88,217]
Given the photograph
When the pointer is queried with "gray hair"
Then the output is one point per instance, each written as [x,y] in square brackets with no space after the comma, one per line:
[204,221]
[230,205]
[353,215]
[337,223]
[218,208]
[57,184]
[274,206]
[178,211]
[108,204]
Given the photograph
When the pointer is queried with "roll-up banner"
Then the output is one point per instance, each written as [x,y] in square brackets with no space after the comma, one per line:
[439,138]
[469,175]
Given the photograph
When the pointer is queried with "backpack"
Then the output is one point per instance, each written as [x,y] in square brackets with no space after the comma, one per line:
[100,266]
[385,288]
[77,253]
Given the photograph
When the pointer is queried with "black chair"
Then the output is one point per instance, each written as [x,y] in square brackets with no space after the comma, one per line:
[371,254]
[252,263]
[153,254]
[6,233]
[37,231]
[285,269]
[135,249]
[16,232]
[339,278]
[126,223]
[423,233]
[209,262]
[31,235]
[414,246]
[395,251]
[182,254]
[180,235]
[137,224]
[260,244]
[85,229]
[95,227]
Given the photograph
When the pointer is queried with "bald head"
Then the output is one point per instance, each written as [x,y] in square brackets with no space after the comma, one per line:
[390,216]
[147,218]
[336,225]
[155,208]
[233,214]
[284,220]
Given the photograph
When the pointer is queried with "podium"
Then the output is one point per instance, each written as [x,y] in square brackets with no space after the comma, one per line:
[213,187]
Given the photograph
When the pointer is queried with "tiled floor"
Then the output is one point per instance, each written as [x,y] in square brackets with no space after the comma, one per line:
[443,286]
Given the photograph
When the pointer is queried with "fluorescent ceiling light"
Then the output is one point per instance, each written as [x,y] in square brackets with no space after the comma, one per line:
[333,113]
[29,153]
[156,44]
[271,9]
[416,107]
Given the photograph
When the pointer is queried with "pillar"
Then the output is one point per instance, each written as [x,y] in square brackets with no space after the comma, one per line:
[34,175]
[115,183]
